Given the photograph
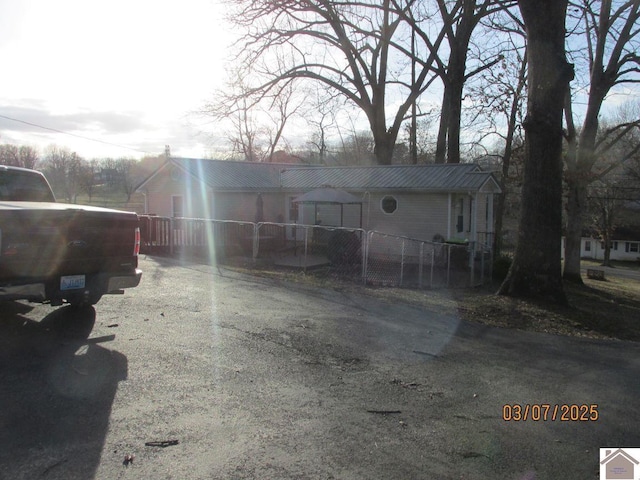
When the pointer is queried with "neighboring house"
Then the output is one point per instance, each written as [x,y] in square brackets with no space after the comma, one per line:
[625,245]
[447,201]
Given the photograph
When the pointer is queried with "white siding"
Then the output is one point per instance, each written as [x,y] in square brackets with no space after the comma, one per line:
[418,215]
[592,248]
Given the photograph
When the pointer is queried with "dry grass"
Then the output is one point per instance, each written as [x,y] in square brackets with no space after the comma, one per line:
[597,309]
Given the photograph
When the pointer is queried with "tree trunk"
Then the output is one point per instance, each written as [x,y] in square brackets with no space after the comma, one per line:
[441,141]
[506,160]
[576,205]
[499,221]
[579,177]
[606,239]
[455,117]
[536,270]
[383,149]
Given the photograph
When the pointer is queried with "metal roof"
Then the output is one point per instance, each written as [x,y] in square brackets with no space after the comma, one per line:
[235,175]
[435,177]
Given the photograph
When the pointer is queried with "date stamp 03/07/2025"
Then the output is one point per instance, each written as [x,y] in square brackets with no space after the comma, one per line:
[548,412]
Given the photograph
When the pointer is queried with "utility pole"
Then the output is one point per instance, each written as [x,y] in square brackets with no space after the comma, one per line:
[413,134]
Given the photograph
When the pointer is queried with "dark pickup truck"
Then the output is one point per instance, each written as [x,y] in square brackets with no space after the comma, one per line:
[61,253]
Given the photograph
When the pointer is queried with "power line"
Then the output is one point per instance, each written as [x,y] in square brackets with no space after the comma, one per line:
[74,134]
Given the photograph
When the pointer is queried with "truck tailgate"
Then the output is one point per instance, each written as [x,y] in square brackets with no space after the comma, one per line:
[48,239]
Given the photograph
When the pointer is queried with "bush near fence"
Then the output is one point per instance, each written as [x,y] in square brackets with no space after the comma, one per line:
[370,257]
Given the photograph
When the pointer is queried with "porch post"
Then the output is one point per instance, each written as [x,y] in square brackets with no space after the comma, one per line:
[490,221]
[449,199]
[474,217]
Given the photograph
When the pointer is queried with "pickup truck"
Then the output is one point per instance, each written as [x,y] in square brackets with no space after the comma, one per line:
[61,253]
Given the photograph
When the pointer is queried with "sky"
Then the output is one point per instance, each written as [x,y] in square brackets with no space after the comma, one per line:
[120,78]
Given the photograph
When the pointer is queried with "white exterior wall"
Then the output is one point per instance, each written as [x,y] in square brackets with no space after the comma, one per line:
[196,197]
[419,216]
[242,206]
[592,248]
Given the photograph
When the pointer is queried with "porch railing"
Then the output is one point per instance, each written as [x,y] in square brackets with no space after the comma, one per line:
[370,257]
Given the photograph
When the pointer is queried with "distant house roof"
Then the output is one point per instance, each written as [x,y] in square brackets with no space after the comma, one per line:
[462,177]
[243,176]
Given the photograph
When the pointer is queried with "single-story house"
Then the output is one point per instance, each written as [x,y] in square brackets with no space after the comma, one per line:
[427,202]
[625,245]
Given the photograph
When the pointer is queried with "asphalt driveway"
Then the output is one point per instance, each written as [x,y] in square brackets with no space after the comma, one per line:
[232,376]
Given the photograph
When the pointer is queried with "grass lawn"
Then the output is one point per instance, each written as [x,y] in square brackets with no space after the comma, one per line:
[614,264]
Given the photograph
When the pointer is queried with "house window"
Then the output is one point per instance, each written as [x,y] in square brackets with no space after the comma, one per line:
[632,247]
[293,210]
[460,222]
[177,206]
[389,204]
[587,245]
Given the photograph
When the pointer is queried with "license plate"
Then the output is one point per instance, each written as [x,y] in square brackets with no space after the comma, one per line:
[72,282]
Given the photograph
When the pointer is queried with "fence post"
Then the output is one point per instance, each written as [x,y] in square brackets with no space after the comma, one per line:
[306,244]
[363,253]
[171,235]
[433,261]
[472,262]
[256,240]
[402,263]
[420,265]
[482,266]
[448,264]
[367,245]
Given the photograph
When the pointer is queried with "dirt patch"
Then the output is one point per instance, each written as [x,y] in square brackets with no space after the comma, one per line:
[597,309]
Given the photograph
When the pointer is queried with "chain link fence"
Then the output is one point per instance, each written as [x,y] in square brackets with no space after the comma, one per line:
[406,262]
[368,257]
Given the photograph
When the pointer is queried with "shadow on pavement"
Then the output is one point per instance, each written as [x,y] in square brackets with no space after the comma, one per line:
[58,388]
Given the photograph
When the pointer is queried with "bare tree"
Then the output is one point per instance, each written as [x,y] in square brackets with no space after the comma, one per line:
[499,98]
[88,178]
[607,199]
[258,121]
[460,19]
[357,148]
[126,175]
[321,117]
[64,170]
[18,156]
[536,270]
[611,36]
[360,50]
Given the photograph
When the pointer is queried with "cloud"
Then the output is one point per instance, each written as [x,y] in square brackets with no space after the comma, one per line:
[100,133]
[33,116]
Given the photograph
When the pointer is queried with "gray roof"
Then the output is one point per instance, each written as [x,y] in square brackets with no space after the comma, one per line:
[232,175]
[435,177]
[251,176]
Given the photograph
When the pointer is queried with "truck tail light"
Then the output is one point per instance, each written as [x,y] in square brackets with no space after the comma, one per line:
[136,245]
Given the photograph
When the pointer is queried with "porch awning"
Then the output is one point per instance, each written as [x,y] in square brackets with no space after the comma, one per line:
[328,195]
